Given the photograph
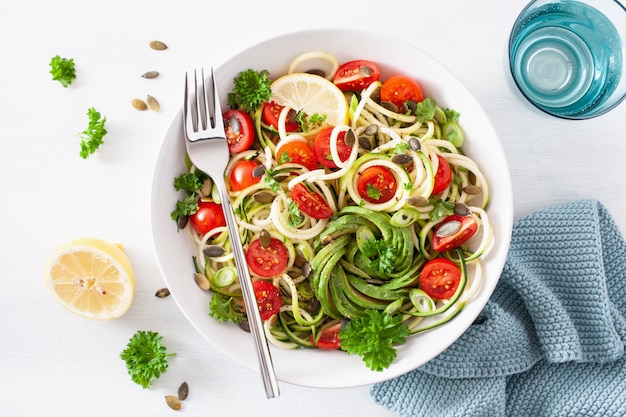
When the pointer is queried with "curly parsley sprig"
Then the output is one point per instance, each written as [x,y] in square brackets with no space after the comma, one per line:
[251,89]
[374,337]
[145,357]
[63,70]
[93,136]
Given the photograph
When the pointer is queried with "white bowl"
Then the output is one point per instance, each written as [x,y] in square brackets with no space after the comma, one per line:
[323,368]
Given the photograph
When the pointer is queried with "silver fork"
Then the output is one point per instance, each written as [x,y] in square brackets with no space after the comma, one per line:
[208,150]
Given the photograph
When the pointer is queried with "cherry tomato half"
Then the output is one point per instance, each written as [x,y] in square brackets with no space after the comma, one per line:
[321,148]
[241,175]
[329,337]
[267,298]
[271,113]
[356,75]
[376,184]
[298,153]
[443,177]
[267,262]
[440,278]
[399,89]
[208,216]
[453,231]
[310,202]
[239,130]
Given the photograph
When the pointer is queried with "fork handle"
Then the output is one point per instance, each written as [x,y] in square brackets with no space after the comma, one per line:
[254,316]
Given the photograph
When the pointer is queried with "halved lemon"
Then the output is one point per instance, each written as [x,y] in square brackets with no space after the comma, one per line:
[91,278]
[311,94]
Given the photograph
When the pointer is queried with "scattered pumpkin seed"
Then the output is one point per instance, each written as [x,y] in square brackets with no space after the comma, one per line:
[326,239]
[417,201]
[183,391]
[409,106]
[258,171]
[163,292]
[150,74]
[158,45]
[349,139]
[265,238]
[365,70]
[316,71]
[182,222]
[448,228]
[173,402]
[263,197]
[306,269]
[365,143]
[139,104]
[207,186]
[245,325]
[371,130]
[472,189]
[389,106]
[234,124]
[401,159]
[202,281]
[415,144]
[153,104]
[461,209]
[213,251]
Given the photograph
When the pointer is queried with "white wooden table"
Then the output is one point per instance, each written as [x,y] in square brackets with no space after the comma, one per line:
[55,364]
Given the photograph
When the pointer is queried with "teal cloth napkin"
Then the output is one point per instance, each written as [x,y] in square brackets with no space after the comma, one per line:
[549,342]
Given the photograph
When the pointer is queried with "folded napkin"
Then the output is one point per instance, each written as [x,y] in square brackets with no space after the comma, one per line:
[549,342]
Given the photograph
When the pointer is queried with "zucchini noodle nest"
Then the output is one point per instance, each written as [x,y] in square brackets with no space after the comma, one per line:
[367,255]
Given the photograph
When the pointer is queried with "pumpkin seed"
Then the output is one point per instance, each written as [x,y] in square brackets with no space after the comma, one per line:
[365,70]
[153,104]
[326,239]
[472,189]
[202,281]
[234,124]
[299,261]
[158,45]
[461,209]
[409,106]
[213,251]
[389,106]
[401,159]
[258,171]
[365,143]
[173,402]
[349,139]
[207,186]
[265,238]
[371,130]
[182,222]
[417,201]
[263,197]
[162,293]
[306,269]
[245,325]
[316,71]
[150,74]
[415,144]
[139,104]
[449,228]
[183,391]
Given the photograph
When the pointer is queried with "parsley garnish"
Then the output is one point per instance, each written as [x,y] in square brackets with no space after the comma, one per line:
[185,207]
[382,252]
[295,215]
[441,209]
[374,337]
[92,137]
[373,192]
[145,357]
[251,89]
[425,110]
[63,70]
[222,308]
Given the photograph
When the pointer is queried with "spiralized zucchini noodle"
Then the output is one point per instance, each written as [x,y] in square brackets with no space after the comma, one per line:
[369,254]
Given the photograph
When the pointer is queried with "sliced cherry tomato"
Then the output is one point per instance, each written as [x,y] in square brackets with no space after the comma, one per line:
[443,177]
[239,130]
[310,202]
[453,231]
[329,337]
[440,277]
[267,262]
[321,148]
[208,216]
[241,175]
[271,113]
[376,184]
[298,153]
[268,298]
[399,89]
[356,75]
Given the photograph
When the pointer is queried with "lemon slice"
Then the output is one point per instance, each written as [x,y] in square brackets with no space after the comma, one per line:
[91,278]
[311,94]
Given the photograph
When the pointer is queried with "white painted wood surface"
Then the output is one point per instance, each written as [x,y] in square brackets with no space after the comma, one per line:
[55,364]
